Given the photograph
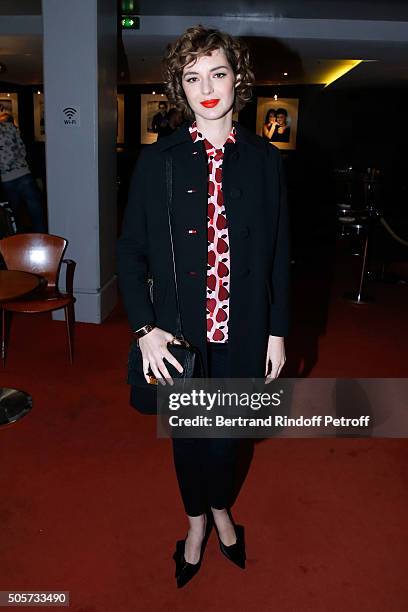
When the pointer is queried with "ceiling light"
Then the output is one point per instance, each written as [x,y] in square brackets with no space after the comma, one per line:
[340,70]
[285,74]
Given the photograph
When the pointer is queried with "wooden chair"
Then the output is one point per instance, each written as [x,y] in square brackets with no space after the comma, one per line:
[39,254]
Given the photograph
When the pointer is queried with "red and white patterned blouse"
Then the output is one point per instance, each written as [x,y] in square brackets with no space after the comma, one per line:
[218,260]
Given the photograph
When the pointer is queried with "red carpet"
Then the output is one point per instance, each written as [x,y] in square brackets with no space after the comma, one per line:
[90,502]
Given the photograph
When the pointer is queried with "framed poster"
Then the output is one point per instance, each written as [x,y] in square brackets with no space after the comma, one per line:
[154,110]
[39,120]
[9,105]
[276,120]
[120,119]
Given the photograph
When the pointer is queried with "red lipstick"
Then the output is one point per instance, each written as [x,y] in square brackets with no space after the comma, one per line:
[210,103]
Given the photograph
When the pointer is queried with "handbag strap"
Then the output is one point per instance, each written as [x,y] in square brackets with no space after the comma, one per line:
[169,182]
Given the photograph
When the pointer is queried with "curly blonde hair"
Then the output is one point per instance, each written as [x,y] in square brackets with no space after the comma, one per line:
[195,42]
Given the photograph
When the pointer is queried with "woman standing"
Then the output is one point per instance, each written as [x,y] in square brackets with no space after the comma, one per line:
[270,124]
[230,232]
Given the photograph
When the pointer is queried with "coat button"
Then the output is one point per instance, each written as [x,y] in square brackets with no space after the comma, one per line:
[244,232]
[235,192]
[192,231]
[192,190]
[235,156]
[192,273]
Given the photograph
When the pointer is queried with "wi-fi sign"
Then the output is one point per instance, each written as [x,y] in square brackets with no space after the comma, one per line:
[70,116]
[69,112]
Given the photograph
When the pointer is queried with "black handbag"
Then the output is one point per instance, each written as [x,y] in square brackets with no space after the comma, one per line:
[143,395]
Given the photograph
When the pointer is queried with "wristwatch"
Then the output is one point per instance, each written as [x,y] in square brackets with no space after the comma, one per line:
[142,331]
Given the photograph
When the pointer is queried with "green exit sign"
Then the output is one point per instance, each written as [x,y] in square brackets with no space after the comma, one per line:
[130,22]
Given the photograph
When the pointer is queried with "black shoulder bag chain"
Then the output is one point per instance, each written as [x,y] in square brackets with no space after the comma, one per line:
[143,395]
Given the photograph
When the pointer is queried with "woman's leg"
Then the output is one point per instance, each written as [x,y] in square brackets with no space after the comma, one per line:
[220,461]
[205,474]
[219,457]
[187,453]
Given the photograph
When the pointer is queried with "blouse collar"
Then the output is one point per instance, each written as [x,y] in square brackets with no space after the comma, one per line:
[197,135]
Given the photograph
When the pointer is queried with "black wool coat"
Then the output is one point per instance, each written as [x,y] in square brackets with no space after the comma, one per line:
[257,217]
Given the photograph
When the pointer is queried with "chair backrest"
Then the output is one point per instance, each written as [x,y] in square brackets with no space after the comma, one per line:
[37,253]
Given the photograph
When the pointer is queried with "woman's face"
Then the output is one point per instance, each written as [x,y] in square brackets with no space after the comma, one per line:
[271,117]
[281,119]
[209,85]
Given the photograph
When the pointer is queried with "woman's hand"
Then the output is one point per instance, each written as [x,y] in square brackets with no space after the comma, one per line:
[269,128]
[276,355]
[154,349]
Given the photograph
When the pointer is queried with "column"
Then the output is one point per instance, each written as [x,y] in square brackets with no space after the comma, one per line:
[80,127]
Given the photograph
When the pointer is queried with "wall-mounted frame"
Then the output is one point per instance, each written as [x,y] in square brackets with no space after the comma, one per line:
[150,107]
[39,117]
[276,121]
[120,119]
[9,104]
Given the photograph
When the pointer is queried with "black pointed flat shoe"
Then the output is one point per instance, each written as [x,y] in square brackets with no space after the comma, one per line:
[235,552]
[185,571]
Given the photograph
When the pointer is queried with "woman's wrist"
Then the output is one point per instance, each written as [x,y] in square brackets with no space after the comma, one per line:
[143,331]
